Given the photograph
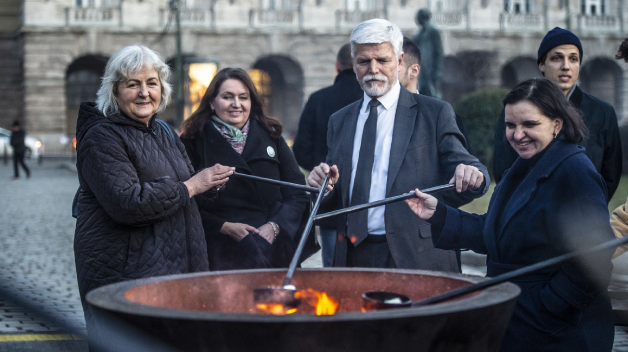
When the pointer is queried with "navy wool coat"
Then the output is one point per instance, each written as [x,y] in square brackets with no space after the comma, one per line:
[559,207]
[602,145]
[249,202]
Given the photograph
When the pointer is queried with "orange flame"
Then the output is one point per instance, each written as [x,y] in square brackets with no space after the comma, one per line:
[311,302]
[275,308]
[322,304]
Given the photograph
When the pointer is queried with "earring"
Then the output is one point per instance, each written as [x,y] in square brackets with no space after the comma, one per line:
[554,135]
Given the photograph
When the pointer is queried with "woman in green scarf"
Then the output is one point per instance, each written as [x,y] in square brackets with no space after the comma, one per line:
[247,224]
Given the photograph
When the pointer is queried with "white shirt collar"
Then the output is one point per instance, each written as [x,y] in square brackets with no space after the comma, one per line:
[387,100]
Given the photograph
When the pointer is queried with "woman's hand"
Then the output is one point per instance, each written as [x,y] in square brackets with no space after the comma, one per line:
[206,179]
[318,174]
[237,230]
[423,205]
[266,232]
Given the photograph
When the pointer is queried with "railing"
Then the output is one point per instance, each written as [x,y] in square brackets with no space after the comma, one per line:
[450,20]
[530,21]
[346,18]
[598,23]
[268,17]
[195,16]
[190,17]
[92,16]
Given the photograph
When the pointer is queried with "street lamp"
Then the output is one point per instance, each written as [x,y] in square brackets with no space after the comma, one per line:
[175,6]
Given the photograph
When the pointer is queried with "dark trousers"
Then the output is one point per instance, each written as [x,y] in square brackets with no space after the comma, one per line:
[373,252]
[328,244]
[19,158]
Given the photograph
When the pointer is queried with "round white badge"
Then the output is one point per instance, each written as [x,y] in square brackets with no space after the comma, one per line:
[270,151]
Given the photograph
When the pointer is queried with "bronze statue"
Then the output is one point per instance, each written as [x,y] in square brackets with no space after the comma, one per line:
[428,40]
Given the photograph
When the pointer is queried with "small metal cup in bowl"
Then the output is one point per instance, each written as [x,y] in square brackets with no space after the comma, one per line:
[378,300]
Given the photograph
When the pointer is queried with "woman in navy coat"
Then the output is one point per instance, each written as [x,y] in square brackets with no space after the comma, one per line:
[551,202]
[247,224]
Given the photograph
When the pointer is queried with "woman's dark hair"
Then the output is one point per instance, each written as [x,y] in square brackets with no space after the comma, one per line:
[193,126]
[552,102]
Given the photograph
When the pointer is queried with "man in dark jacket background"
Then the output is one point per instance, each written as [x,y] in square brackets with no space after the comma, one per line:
[18,134]
[310,144]
[409,78]
[559,58]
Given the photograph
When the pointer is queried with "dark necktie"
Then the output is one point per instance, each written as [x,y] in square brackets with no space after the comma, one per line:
[357,227]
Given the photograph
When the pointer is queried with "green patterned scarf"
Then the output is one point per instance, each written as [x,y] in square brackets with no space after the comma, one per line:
[233,135]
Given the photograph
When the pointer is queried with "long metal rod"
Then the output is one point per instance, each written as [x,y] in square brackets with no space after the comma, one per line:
[306,233]
[384,201]
[277,182]
[519,272]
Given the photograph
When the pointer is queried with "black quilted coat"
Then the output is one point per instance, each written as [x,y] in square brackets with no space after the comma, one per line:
[135,216]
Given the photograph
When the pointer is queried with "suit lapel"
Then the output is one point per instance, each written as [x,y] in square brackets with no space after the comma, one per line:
[405,118]
[347,137]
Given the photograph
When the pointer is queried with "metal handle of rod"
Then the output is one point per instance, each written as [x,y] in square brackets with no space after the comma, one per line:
[277,182]
[306,233]
[519,272]
[384,201]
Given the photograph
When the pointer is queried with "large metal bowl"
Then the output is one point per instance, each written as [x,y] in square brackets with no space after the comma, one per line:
[215,312]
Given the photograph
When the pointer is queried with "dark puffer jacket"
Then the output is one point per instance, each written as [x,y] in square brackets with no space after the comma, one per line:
[135,216]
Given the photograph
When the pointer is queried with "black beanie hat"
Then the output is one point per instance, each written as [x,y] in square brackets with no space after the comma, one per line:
[557,37]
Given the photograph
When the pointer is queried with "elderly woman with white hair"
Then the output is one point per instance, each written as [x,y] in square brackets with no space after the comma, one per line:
[136,217]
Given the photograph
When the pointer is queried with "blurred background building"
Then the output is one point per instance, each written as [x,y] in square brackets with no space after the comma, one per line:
[53,52]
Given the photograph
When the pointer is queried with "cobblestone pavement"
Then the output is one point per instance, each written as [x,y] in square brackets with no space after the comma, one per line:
[36,256]
[37,262]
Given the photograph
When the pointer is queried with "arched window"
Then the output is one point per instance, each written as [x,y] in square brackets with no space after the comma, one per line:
[281,85]
[602,78]
[518,70]
[82,83]
[263,83]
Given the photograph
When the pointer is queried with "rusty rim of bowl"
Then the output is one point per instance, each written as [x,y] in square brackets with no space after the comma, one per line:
[111,298]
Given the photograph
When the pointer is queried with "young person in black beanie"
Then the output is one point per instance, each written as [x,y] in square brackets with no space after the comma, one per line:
[559,59]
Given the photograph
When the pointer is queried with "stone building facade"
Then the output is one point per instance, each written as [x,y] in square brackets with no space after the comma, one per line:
[54,51]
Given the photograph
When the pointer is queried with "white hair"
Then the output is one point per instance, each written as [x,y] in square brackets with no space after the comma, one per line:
[124,63]
[377,31]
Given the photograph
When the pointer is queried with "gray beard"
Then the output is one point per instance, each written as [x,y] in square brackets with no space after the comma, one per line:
[375,91]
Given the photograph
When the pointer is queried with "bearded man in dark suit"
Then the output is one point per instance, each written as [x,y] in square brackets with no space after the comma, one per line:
[385,144]
[310,144]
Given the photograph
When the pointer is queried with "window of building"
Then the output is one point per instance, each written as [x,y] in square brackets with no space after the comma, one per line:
[200,76]
[82,82]
[276,4]
[518,6]
[360,5]
[97,3]
[449,5]
[594,7]
[262,82]
[82,86]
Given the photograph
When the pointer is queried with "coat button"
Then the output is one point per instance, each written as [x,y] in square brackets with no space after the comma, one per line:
[271,151]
